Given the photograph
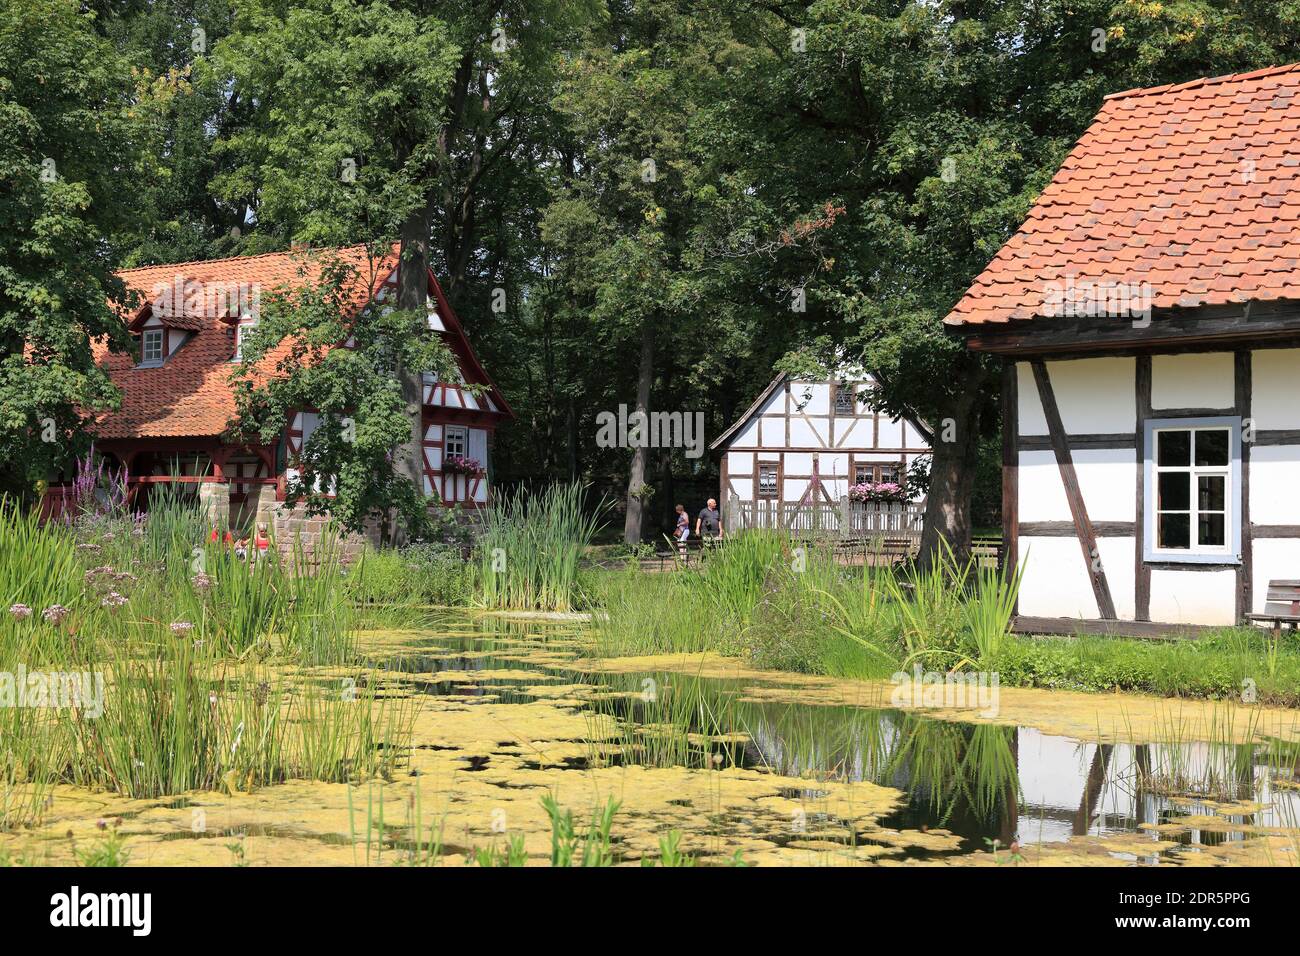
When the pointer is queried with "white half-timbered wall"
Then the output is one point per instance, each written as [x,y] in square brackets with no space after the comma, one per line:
[798,433]
[1104,404]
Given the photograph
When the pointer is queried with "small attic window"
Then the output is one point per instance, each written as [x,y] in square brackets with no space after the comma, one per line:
[151,347]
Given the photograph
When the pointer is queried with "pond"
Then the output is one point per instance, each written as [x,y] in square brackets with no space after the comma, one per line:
[735,766]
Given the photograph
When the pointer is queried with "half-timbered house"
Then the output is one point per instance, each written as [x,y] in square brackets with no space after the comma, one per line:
[1148,313]
[809,441]
[178,402]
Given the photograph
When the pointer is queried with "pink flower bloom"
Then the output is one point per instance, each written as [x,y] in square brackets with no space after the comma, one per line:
[54,613]
[181,628]
[20,611]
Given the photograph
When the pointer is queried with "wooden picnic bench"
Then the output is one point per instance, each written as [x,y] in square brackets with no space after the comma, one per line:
[1282,607]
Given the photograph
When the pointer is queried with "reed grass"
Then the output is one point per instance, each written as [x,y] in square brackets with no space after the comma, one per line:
[531,547]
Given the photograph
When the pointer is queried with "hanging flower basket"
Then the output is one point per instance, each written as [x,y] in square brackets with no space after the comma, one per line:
[461,465]
[877,491]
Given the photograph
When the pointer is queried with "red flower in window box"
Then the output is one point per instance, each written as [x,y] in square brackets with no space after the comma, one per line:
[461,465]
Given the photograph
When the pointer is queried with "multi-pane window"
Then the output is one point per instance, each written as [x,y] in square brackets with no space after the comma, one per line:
[874,474]
[845,399]
[455,440]
[767,480]
[151,345]
[241,332]
[1193,478]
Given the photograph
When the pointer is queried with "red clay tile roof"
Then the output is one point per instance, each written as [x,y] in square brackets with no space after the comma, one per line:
[1191,188]
[190,394]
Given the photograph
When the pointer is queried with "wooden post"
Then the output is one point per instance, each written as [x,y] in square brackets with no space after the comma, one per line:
[846,517]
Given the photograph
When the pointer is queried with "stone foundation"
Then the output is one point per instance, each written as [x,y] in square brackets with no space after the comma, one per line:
[290,526]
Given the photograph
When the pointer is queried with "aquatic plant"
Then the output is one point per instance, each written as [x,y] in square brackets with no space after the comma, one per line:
[531,546]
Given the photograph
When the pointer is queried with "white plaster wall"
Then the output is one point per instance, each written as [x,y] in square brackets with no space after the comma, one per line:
[834,464]
[740,463]
[1107,481]
[891,434]
[1094,395]
[801,434]
[1271,558]
[794,489]
[853,432]
[1042,496]
[748,437]
[798,463]
[1029,410]
[773,432]
[1193,597]
[1117,557]
[1194,380]
[744,488]
[1275,390]
[1056,582]
[1275,486]
[819,404]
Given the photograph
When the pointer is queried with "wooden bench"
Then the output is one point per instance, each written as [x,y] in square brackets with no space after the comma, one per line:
[1282,607]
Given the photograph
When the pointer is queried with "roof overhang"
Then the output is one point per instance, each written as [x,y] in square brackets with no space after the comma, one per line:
[1203,328]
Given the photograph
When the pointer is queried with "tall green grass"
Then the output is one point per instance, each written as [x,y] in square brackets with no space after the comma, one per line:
[531,547]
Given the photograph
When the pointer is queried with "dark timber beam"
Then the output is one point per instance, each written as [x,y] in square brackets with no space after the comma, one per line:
[1083,527]
[1010,472]
[1172,330]
[1141,571]
[1242,388]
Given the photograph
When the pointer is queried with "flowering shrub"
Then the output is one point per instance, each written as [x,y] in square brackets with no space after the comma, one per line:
[461,465]
[878,491]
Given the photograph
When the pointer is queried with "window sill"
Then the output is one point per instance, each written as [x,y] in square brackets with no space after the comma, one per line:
[1174,557]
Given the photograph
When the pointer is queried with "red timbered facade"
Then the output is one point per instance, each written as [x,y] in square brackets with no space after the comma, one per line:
[178,403]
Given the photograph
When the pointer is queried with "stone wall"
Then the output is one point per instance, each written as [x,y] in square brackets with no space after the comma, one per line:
[291,525]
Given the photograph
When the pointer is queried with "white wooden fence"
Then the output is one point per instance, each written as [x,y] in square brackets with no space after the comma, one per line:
[846,518]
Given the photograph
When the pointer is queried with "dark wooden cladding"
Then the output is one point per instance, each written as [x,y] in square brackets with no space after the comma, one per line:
[1070,626]
[1192,412]
[1276,436]
[1242,391]
[1044,442]
[1066,529]
[1141,572]
[1273,531]
[1087,541]
[1010,470]
[1218,326]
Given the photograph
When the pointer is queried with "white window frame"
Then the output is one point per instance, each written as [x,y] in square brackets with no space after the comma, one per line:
[1230,551]
[240,328]
[158,334]
[767,467]
[463,436]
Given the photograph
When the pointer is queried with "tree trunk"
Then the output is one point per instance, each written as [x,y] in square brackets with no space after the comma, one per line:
[952,471]
[412,295]
[636,476]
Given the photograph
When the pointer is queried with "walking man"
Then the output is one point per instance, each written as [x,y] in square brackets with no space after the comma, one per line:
[708,523]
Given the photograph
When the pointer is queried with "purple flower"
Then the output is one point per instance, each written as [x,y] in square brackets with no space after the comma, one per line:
[181,628]
[202,582]
[54,613]
[113,600]
[20,611]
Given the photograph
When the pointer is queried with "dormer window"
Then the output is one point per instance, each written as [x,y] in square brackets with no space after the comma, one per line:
[242,329]
[151,347]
